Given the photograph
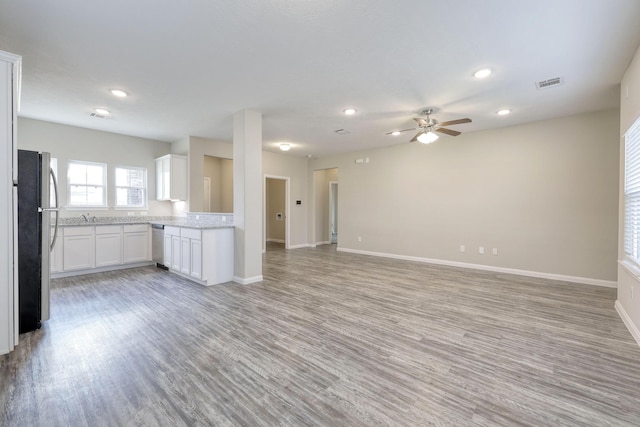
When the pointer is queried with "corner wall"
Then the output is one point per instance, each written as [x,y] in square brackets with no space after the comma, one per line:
[628,303]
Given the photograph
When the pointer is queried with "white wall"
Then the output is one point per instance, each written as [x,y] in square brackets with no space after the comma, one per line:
[73,143]
[544,194]
[628,303]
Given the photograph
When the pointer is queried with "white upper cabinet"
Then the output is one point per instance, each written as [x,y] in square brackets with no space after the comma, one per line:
[171,177]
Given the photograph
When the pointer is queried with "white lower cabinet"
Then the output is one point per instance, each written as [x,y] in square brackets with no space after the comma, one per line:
[204,255]
[78,248]
[136,243]
[108,245]
[100,247]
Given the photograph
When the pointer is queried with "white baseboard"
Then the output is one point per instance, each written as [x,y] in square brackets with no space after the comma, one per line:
[551,276]
[326,242]
[635,332]
[303,245]
[248,280]
[275,240]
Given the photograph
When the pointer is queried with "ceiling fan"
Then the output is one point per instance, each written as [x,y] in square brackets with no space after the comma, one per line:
[428,128]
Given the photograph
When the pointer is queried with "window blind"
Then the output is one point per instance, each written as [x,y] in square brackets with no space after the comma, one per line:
[632,192]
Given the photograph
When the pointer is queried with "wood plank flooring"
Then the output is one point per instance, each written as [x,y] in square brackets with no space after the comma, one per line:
[328,339]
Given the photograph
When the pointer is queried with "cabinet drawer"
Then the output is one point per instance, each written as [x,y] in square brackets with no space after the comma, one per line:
[108,229]
[171,231]
[192,233]
[135,228]
[78,231]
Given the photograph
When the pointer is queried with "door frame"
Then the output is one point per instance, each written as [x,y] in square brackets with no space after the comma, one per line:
[287,233]
[331,209]
[208,198]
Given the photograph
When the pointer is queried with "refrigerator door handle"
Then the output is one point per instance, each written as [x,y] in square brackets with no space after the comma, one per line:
[55,193]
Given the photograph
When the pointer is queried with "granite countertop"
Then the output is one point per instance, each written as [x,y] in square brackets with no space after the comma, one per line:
[191,224]
[204,222]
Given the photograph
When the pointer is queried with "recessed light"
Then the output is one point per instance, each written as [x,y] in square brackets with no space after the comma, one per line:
[504,112]
[119,93]
[350,111]
[395,133]
[482,73]
[102,111]
[285,147]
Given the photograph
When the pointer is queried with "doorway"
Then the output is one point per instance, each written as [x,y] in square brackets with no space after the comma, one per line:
[276,211]
[333,212]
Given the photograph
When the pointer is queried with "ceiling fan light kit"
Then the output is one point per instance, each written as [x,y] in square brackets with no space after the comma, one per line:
[428,128]
[427,138]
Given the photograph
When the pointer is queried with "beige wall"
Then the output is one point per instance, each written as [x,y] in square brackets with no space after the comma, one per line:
[544,194]
[220,173]
[294,168]
[628,303]
[73,143]
[275,204]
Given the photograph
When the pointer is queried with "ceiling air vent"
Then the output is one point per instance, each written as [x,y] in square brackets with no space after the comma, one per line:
[342,132]
[96,115]
[544,84]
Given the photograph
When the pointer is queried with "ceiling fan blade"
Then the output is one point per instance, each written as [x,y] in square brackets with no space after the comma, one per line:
[421,121]
[403,130]
[448,131]
[455,122]
[415,138]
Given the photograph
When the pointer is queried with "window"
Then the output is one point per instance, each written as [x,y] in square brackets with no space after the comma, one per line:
[632,192]
[86,184]
[131,187]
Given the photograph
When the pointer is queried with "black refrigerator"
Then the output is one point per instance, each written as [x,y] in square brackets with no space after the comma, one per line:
[35,239]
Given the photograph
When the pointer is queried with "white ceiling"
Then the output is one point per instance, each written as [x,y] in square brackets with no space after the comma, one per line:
[188,66]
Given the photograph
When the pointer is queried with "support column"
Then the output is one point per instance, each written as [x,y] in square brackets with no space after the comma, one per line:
[247,196]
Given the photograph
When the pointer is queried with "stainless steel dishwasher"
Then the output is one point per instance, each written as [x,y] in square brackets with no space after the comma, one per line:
[157,244]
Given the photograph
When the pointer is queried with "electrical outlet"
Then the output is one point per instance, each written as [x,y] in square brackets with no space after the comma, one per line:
[481,250]
[462,248]
[495,251]
[131,213]
[143,213]
[359,238]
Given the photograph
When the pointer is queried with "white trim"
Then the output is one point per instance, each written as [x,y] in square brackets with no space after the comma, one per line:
[248,280]
[541,275]
[326,242]
[303,245]
[633,329]
[275,240]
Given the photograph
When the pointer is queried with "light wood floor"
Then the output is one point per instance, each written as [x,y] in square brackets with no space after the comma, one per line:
[329,339]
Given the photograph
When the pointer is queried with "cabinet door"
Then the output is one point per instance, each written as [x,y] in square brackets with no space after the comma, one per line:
[175,253]
[186,255]
[196,258]
[108,249]
[136,247]
[78,252]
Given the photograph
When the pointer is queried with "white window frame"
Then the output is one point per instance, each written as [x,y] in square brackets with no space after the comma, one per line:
[145,188]
[70,184]
[632,194]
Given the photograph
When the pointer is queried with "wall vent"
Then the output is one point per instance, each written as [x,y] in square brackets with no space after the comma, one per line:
[341,131]
[544,84]
[99,116]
